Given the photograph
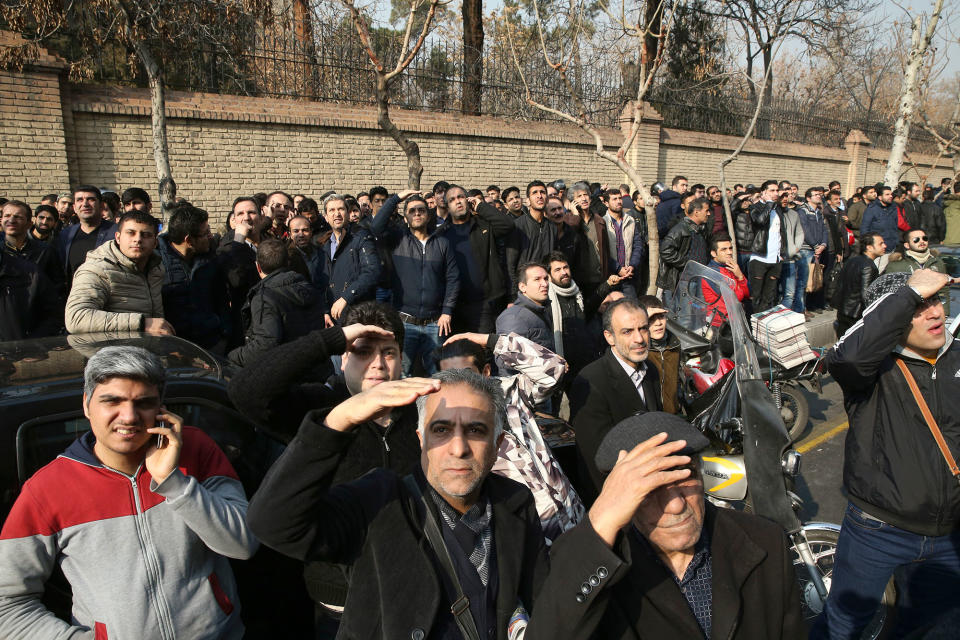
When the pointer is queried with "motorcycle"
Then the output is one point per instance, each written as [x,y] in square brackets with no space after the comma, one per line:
[750,463]
[705,364]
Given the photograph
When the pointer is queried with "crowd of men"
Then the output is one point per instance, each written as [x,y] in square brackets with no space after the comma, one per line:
[403,345]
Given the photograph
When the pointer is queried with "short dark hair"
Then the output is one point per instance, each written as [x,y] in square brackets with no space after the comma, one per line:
[49,196]
[905,236]
[737,185]
[22,205]
[449,188]
[134,193]
[493,187]
[441,186]
[140,217]
[834,183]
[474,193]
[185,220]
[809,192]
[462,349]
[87,188]
[605,195]
[898,192]
[379,191]
[526,266]
[278,193]
[378,314]
[112,200]
[46,208]
[677,179]
[308,204]
[697,203]
[784,184]
[766,184]
[272,255]
[650,302]
[506,192]
[556,256]
[627,303]
[866,240]
[698,186]
[716,239]
[882,189]
[535,183]
[237,201]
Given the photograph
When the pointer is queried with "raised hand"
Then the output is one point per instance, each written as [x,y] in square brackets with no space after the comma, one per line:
[163,455]
[379,401]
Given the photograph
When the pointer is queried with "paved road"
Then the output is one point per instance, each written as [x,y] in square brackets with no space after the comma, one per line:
[822,448]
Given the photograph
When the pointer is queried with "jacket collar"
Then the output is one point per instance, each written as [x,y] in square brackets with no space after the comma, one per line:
[81,450]
[110,252]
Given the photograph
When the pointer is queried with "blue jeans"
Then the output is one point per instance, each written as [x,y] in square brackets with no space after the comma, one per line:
[794,289]
[868,553]
[418,344]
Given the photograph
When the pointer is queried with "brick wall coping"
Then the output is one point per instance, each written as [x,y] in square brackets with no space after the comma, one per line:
[207,106]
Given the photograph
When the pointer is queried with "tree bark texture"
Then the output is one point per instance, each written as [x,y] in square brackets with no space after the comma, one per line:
[410,148]
[920,42]
[472,57]
[158,123]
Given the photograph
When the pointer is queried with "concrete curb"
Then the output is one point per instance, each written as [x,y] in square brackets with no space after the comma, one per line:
[820,331]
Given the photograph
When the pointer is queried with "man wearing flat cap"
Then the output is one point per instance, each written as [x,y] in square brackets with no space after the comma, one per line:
[691,570]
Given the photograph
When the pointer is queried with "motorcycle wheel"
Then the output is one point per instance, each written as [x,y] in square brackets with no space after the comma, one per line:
[795,411]
[823,545]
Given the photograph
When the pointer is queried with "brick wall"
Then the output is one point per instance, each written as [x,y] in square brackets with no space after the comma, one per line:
[33,160]
[55,135]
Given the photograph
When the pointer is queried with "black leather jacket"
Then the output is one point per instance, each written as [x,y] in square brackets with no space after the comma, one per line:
[857,274]
[675,252]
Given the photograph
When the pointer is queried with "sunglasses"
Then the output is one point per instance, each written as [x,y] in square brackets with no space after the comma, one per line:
[919,239]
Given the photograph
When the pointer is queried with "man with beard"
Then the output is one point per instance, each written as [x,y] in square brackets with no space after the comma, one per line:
[917,255]
[529,315]
[473,235]
[535,235]
[857,209]
[45,225]
[65,211]
[351,264]
[237,259]
[303,250]
[16,240]
[618,385]
[569,238]
[717,222]
[195,297]
[626,241]
[426,280]
[89,233]
[594,265]
[573,315]
[271,391]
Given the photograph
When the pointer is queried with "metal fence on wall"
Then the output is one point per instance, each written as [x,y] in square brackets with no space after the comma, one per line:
[330,65]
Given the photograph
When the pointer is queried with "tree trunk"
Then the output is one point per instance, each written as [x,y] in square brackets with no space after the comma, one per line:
[651,37]
[409,147]
[472,56]
[158,122]
[920,42]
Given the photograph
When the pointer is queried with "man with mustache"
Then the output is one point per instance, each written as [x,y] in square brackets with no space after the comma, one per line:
[76,240]
[899,477]
[426,280]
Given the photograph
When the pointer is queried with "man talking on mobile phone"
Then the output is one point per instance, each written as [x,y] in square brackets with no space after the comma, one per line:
[141,514]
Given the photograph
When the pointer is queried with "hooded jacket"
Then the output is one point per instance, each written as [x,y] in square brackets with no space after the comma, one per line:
[145,560]
[280,308]
[110,293]
[892,467]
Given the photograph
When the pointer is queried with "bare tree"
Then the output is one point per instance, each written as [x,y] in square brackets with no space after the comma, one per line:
[384,78]
[472,56]
[919,44]
[155,33]
[644,28]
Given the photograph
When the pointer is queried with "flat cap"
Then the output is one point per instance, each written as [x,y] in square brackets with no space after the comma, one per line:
[630,432]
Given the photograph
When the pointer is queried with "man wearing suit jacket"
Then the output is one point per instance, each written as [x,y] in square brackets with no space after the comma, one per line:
[618,385]
[488,524]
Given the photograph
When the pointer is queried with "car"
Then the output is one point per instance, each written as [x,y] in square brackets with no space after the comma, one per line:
[41,390]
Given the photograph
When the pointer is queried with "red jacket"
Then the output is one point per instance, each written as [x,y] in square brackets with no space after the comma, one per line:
[715,300]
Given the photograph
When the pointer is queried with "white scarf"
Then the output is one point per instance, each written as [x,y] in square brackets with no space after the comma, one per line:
[921,258]
[555,293]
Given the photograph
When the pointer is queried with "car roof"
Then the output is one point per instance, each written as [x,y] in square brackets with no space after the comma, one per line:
[47,364]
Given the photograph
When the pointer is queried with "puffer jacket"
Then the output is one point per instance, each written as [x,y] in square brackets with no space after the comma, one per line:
[742,227]
[110,293]
[528,319]
[195,296]
[280,308]
[892,467]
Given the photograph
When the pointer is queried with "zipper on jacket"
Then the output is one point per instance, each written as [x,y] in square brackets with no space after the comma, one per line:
[151,564]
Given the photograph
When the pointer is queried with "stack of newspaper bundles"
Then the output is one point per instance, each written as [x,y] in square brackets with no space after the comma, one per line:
[781,334]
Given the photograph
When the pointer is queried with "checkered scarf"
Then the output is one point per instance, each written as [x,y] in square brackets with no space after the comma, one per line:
[476,521]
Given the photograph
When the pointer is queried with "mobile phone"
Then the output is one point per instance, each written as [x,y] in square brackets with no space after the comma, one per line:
[160,439]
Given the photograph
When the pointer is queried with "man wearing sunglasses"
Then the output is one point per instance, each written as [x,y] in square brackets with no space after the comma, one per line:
[917,255]
[426,280]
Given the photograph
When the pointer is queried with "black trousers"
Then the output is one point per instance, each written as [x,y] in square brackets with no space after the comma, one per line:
[764,281]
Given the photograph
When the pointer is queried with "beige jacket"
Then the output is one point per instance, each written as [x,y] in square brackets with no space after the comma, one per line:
[109,293]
